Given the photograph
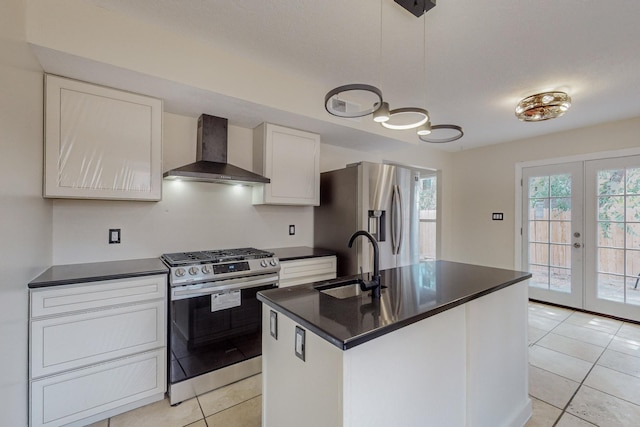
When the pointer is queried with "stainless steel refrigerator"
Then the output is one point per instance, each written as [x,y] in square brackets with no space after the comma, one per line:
[378,198]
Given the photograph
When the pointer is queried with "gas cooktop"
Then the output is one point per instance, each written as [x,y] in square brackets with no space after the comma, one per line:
[214,256]
[188,268]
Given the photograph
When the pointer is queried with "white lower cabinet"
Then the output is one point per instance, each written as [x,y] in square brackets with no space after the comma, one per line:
[59,400]
[307,270]
[100,352]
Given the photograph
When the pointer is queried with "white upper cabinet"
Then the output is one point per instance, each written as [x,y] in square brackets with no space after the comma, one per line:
[101,143]
[291,159]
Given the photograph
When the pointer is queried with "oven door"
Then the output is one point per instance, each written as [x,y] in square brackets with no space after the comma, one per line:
[215,324]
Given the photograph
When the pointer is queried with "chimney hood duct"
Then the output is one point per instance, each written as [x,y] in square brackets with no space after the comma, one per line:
[211,158]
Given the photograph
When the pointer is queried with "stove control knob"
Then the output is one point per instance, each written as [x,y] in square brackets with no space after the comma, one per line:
[263,263]
[180,272]
[193,271]
[206,269]
[273,262]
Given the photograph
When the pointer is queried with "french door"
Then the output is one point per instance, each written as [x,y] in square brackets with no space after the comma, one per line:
[613,255]
[552,231]
[581,234]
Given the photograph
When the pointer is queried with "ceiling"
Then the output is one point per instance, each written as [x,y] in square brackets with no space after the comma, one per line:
[479,58]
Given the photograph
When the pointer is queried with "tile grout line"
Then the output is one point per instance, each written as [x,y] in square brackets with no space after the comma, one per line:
[564,410]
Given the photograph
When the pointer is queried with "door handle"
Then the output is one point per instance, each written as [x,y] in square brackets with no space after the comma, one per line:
[396,218]
[577,245]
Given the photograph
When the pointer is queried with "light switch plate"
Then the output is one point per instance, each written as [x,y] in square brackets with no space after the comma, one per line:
[273,324]
[497,216]
[300,350]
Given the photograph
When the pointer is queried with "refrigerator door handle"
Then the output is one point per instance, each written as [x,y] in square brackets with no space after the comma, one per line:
[400,219]
[396,220]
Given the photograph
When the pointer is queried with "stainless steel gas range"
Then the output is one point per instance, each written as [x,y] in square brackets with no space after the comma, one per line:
[215,321]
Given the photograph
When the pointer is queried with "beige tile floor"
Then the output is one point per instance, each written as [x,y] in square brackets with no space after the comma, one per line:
[584,371]
[237,405]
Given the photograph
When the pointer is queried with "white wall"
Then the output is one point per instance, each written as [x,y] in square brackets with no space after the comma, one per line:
[191,215]
[484,182]
[25,218]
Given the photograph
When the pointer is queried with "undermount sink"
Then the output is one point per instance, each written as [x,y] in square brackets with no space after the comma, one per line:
[341,290]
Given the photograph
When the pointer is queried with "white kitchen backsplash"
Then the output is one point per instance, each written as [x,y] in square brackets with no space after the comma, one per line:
[191,216]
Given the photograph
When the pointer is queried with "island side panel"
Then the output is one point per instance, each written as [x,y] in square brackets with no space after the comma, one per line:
[295,392]
[498,359]
[412,377]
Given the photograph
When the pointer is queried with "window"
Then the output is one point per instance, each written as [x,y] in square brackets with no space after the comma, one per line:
[427,207]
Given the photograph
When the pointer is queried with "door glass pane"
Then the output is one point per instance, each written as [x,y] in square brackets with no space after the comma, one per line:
[560,185]
[611,287]
[561,280]
[633,236]
[539,253]
[540,277]
[611,208]
[539,209]
[611,261]
[539,231]
[538,187]
[611,234]
[633,181]
[561,256]
[618,252]
[633,263]
[633,290]
[560,232]
[633,208]
[561,208]
[611,182]
[550,232]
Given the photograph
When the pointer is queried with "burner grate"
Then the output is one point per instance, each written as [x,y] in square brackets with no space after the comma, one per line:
[215,256]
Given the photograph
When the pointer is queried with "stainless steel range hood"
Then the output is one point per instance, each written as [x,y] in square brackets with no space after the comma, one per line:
[211,158]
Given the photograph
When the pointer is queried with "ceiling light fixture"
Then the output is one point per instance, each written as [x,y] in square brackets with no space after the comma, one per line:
[381,115]
[425,129]
[336,106]
[353,100]
[442,133]
[543,106]
[406,118]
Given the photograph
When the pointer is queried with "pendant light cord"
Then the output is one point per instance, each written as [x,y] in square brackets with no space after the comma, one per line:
[424,57]
[380,49]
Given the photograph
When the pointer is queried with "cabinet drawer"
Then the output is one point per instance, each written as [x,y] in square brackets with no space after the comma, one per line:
[307,270]
[85,296]
[63,399]
[69,342]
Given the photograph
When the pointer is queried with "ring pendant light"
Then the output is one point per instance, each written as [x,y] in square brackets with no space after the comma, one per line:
[336,104]
[421,117]
[434,138]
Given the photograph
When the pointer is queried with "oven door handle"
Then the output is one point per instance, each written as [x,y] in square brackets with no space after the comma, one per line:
[208,288]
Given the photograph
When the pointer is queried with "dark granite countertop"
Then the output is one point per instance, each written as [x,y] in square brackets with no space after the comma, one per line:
[299,252]
[97,271]
[413,293]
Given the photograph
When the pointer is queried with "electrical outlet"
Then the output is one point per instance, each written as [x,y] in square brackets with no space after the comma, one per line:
[114,235]
[292,230]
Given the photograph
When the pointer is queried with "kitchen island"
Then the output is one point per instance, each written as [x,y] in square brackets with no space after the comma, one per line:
[445,345]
